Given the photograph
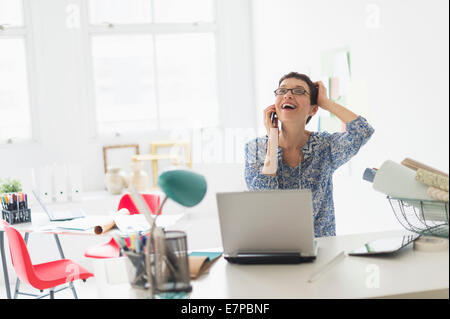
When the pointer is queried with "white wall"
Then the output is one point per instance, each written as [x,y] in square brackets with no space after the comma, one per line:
[403,63]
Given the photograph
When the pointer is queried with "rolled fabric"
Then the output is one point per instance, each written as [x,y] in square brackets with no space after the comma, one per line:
[271,163]
[432,179]
[438,194]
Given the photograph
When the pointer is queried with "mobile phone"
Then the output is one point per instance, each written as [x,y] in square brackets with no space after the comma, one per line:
[274,119]
[315,94]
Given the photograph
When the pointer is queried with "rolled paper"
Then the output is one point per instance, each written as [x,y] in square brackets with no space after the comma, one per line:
[399,181]
[438,194]
[369,174]
[415,165]
[109,224]
[271,162]
[432,179]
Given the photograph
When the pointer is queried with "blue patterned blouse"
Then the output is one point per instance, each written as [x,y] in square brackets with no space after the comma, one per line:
[323,153]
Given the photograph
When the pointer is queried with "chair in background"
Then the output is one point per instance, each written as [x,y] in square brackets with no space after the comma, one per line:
[41,276]
[110,249]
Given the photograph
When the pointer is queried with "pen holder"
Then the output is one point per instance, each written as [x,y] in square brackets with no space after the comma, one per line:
[140,279]
[171,271]
[17,216]
[163,267]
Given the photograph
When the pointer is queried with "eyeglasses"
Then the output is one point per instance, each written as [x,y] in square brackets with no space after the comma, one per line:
[295,91]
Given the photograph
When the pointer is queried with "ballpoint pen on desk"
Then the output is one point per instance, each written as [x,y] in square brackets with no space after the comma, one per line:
[316,274]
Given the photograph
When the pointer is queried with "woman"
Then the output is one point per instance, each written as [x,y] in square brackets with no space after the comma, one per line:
[306,160]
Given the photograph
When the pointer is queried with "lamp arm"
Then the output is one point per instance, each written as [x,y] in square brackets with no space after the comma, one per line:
[158,212]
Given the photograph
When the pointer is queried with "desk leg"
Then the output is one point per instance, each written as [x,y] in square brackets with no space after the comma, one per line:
[5,270]
[61,253]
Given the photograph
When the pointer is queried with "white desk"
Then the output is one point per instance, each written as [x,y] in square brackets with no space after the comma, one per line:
[408,274]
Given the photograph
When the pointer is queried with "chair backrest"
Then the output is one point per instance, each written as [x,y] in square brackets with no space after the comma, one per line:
[20,257]
[152,201]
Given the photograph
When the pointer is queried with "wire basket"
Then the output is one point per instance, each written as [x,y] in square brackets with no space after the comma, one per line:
[425,217]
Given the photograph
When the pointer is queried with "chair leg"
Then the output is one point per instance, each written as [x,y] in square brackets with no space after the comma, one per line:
[52,293]
[5,269]
[16,290]
[61,253]
[73,290]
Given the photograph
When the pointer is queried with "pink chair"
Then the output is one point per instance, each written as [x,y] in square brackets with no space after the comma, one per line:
[111,249]
[41,276]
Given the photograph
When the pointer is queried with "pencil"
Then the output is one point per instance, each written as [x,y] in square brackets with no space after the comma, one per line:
[337,259]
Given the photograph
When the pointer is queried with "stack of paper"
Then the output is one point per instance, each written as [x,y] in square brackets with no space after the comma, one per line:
[138,223]
[200,262]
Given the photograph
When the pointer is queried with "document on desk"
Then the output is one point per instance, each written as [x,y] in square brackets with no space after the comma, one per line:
[78,224]
[138,222]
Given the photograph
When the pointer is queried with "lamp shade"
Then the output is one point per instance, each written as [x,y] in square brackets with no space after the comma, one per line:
[182,186]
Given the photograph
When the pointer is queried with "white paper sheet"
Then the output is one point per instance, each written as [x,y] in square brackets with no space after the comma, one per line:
[137,222]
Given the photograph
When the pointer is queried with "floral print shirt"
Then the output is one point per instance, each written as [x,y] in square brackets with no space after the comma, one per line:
[323,153]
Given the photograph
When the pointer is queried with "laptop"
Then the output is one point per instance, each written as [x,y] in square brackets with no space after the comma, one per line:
[267,227]
[59,215]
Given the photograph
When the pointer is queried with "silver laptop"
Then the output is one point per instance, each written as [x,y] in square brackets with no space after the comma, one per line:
[59,215]
[267,226]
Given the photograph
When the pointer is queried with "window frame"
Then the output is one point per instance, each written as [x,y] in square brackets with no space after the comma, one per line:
[25,32]
[90,30]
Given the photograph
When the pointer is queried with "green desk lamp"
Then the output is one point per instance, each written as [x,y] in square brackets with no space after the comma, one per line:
[187,189]
[182,186]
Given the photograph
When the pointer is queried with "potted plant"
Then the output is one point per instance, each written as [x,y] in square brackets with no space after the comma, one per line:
[10,186]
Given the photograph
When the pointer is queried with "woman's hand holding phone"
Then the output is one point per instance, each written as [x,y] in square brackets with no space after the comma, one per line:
[268,118]
[322,98]
[344,114]
[271,162]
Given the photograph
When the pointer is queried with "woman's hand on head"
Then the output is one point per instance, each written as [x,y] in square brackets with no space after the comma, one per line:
[267,118]
[322,98]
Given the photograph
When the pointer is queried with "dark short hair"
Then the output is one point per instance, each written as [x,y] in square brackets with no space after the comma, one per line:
[312,88]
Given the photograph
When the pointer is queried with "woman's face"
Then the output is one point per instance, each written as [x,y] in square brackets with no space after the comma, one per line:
[292,107]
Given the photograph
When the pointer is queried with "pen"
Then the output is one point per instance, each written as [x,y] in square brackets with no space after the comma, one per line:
[133,241]
[316,274]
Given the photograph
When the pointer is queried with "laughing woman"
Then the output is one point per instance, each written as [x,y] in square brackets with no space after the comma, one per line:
[304,160]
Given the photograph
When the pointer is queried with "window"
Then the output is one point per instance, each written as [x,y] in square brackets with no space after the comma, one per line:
[153,64]
[15,114]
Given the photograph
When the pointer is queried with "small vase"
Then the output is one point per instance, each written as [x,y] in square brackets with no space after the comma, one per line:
[139,177]
[114,180]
